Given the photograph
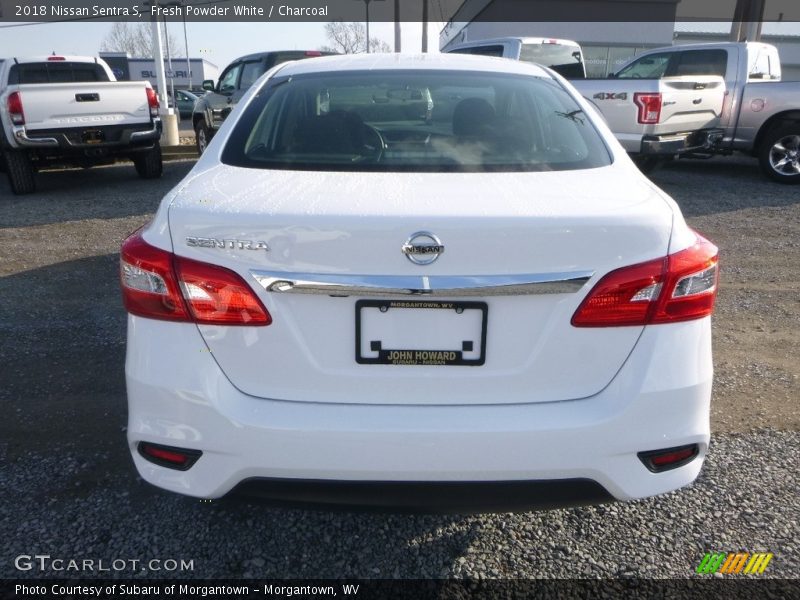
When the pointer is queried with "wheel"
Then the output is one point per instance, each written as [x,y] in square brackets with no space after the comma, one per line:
[647,164]
[148,164]
[202,136]
[779,155]
[20,171]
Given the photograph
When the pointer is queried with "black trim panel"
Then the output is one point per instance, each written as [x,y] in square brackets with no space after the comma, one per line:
[427,496]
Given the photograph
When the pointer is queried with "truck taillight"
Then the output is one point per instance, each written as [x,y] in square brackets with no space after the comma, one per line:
[159,285]
[649,107]
[14,106]
[678,287]
[152,101]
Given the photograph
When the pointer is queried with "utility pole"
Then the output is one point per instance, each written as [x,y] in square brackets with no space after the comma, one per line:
[424,26]
[170,121]
[397,41]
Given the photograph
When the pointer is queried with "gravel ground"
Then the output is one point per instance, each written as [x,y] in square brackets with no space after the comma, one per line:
[69,489]
[92,508]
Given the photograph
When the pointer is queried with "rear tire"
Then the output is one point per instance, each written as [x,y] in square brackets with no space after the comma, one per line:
[148,164]
[202,137]
[20,171]
[779,154]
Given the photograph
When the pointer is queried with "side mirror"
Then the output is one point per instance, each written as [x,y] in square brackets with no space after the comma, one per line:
[208,85]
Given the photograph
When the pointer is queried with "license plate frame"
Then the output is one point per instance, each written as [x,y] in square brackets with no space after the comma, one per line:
[421,356]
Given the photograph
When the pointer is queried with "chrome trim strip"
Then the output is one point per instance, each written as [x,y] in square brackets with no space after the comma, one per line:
[426,285]
[21,137]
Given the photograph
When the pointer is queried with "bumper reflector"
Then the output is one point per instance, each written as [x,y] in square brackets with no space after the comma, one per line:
[669,458]
[181,459]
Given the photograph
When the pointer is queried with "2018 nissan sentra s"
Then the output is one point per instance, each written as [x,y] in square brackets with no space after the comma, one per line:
[418,281]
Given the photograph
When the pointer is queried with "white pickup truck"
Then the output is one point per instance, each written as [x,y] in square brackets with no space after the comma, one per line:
[760,113]
[649,116]
[70,110]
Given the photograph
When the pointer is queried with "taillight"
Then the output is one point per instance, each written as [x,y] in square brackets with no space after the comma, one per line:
[56,58]
[218,296]
[152,101]
[149,287]
[159,285]
[14,106]
[649,107]
[313,53]
[679,287]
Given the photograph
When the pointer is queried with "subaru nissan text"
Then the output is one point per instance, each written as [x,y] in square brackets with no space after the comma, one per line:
[482,305]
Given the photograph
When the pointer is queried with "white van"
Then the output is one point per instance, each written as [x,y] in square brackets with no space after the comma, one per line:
[563,56]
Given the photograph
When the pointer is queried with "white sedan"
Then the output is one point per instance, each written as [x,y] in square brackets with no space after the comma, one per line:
[434,282]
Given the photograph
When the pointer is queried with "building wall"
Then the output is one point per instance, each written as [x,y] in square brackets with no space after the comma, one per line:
[144,69]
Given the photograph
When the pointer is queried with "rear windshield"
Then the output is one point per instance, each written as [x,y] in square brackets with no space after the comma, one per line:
[415,121]
[56,72]
[564,59]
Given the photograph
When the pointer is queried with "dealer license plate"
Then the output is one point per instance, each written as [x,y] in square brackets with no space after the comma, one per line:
[420,332]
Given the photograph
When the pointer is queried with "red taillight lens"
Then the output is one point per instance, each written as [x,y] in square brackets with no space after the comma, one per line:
[152,101]
[149,287]
[159,285]
[679,287]
[219,296]
[167,456]
[649,107]
[56,58]
[313,53]
[14,106]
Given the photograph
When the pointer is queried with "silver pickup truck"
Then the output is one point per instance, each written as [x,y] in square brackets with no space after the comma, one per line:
[70,110]
[760,113]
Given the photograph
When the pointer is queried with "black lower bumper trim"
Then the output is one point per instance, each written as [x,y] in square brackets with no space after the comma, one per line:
[424,496]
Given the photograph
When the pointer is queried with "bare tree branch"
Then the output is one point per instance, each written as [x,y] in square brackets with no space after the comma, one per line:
[350,38]
[136,39]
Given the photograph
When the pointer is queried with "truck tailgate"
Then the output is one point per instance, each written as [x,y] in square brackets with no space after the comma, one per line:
[688,103]
[63,105]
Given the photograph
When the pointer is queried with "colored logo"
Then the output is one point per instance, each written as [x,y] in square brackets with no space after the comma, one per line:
[734,562]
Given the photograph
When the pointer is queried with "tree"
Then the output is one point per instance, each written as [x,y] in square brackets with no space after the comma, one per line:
[350,38]
[137,40]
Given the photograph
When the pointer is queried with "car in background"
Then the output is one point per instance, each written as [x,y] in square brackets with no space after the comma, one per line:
[485,308]
[185,101]
[220,97]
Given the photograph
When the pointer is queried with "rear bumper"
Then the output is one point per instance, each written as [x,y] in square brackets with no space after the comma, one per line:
[179,397]
[681,143]
[112,139]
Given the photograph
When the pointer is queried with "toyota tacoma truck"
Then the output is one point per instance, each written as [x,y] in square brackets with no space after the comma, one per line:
[70,110]
[760,113]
